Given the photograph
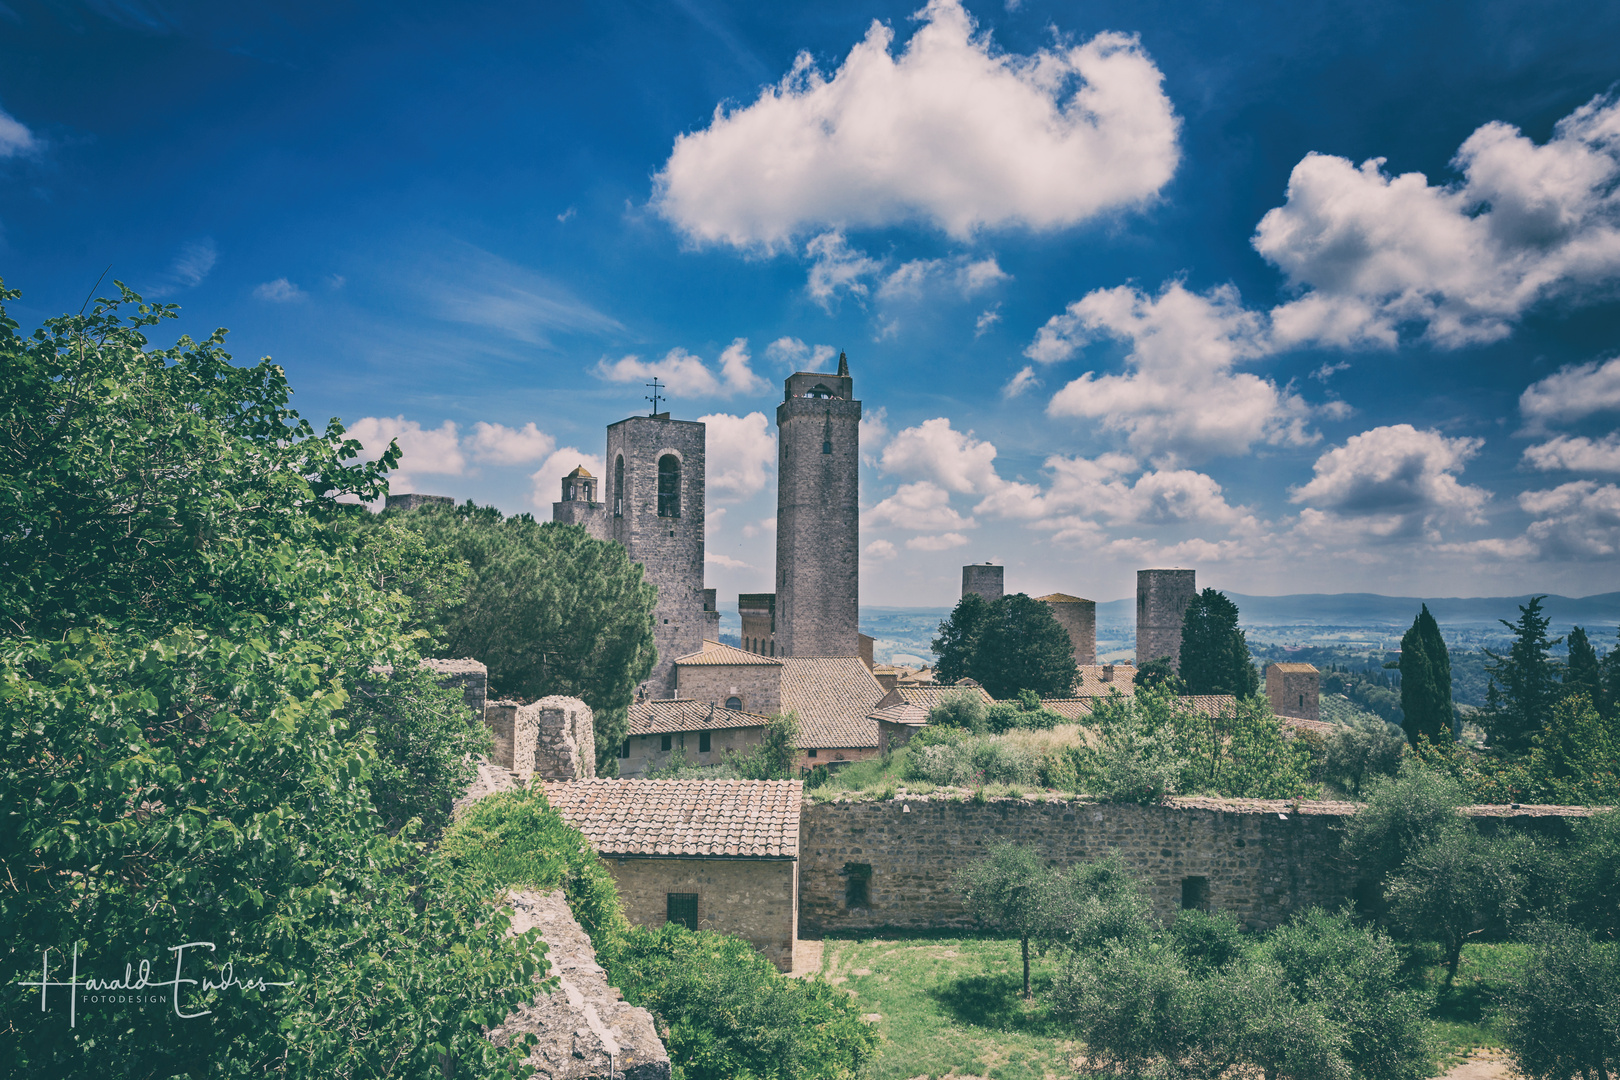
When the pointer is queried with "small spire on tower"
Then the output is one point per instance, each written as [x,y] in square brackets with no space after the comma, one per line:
[843,365]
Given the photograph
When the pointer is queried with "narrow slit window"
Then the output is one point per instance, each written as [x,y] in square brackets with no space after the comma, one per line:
[669,486]
[624,749]
[618,486]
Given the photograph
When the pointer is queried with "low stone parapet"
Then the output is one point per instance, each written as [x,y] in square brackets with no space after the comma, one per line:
[553,738]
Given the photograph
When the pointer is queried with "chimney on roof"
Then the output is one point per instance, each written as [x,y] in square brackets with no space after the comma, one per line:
[1108,673]
[843,365]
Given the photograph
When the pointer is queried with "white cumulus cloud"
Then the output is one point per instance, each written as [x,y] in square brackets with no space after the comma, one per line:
[943,542]
[923,506]
[1576,453]
[791,354]
[1181,397]
[686,375]
[424,450]
[1463,260]
[952,132]
[836,267]
[962,273]
[1580,520]
[1393,481]
[738,454]
[501,445]
[1571,393]
[1024,380]
[936,451]
[879,550]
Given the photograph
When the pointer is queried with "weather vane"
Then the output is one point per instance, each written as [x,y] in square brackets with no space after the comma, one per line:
[654,396]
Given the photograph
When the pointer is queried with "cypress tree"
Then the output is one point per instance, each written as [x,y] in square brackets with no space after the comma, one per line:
[1523,681]
[1214,650]
[1583,673]
[1425,666]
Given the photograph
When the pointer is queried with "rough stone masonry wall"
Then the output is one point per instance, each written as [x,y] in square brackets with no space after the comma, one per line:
[1079,618]
[752,898]
[1262,861]
[670,549]
[818,527]
[984,579]
[759,685]
[468,676]
[552,738]
[1162,597]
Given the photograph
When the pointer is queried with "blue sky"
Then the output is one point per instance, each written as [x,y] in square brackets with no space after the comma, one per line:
[1310,297]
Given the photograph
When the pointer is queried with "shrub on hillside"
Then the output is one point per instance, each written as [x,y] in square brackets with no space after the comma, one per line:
[1361,750]
[972,762]
[728,1013]
[1562,1018]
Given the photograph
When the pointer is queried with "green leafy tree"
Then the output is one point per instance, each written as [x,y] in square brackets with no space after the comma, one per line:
[1238,752]
[1425,667]
[1575,757]
[1523,681]
[180,758]
[1401,815]
[1608,701]
[1562,1017]
[1159,675]
[1583,671]
[1453,887]
[1361,750]
[1214,650]
[548,609]
[772,758]
[1011,889]
[728,1013]
[964,709]
[1013,644]
[1591,879]
[958,643]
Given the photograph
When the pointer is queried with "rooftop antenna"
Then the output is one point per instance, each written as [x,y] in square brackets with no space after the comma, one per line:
[653,397]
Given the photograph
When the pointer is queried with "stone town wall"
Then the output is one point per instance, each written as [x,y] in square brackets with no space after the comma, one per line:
[552,738]
[585,1029]
[1258,860]
[758,685]
[756,899]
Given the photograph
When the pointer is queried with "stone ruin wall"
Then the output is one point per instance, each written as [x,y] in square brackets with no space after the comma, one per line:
[1260,861]
[553,738]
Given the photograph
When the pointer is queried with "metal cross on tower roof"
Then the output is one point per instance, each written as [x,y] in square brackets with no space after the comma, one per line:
[653,397]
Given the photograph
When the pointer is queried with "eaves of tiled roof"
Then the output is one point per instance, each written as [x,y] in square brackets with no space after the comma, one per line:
[714,654]
[656,717]
[714,819]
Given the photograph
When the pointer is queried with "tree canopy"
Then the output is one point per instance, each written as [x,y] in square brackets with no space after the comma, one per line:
[1524,681]
[1012,644]
[1425,666]
[546,607]
[1214,650]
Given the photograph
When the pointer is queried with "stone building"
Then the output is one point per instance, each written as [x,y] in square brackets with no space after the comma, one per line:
[710,854]
[1078,616]
[897,723]
[654,506]
[758,611]
[818,515]
[553,738]
[730,678]
[1294,690]
[701,731]
[1162,597]
[984,579]
[412,501]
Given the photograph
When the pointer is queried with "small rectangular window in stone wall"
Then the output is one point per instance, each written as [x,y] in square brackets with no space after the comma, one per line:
[1195,894]
[665,742]
[857,885]
[682,908]
[703,743]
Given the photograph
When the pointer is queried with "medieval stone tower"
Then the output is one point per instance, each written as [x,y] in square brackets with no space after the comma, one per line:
[653,505]
[985,579]
[818,515]
[1078,616]
[1162,597]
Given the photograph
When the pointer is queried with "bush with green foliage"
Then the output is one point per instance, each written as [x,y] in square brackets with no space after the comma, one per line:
[1356,753]
[1415,808]
[1562,1018]
[728,1014]
[972,762]
[963,709]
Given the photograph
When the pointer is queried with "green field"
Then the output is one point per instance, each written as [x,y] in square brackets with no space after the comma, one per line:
[950,1005]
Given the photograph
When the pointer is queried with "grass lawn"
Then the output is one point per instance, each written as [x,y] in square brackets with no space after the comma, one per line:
[951,1006]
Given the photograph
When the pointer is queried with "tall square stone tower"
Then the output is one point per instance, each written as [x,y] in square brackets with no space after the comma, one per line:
[1162,597]
[818,515]
[653,505]
[1295,690]
[984,579]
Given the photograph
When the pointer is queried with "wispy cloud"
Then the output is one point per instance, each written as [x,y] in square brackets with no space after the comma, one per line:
[15,138]
[479,288]
[194,262]
[280,291]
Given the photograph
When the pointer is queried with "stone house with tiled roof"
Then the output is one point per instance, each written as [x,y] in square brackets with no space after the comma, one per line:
[831,695]
[710,854]
[1294,690]
[700,730]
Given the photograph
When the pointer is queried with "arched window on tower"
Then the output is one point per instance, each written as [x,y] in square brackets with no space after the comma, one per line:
[618,486]
[734,703]
[669,486]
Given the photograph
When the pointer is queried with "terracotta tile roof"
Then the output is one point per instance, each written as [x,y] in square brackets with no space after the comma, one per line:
[929,696]
[714,654]
[1070,708]
[901,712]
[832,695]
[655,717]
[1292,667]
[714,818]
[1062,598]
[1091,682]
[1299,723]
[1211,704]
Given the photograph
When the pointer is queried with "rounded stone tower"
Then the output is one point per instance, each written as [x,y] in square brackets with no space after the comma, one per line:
[1162,597]
[818,515]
